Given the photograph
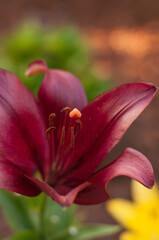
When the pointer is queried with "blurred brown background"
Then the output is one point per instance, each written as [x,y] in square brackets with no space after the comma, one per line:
[125,38]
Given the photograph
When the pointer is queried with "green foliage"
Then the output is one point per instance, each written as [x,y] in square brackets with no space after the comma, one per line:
[16,211]
[94,231]
[62,49]
[72,233]
[40,218]
[26,235]
[55,220]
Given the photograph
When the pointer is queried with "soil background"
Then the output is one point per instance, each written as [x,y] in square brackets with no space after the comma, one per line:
[125,38]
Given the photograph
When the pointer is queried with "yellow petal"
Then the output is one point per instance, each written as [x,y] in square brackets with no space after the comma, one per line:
[141,217]
[133,236]
[123,211]
[142,194]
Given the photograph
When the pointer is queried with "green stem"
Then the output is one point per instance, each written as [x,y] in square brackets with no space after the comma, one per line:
[42,216]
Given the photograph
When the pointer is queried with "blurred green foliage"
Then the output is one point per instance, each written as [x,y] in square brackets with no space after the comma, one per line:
[41,218]
[64,48]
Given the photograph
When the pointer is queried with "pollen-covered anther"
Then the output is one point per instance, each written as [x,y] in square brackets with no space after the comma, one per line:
[51,119]
[66,109]
[79,123]
[49,130]
[75,113]
[71,124]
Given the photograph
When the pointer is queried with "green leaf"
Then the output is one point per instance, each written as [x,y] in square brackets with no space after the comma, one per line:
[93,231]
[26,235]
[34,203]
[85,233]
[55,220]
[16,211]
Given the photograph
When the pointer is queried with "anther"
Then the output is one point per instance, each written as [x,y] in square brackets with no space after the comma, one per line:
[79,122]
[62,136]
[49,130]
[51,119]
[66,109]
[75,113]
[72,137]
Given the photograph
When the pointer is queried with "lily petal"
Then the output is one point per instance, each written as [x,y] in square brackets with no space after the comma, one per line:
[143,195]
[22,128]
[131,163]
[36,67]
[59,89]
[14,178]
[124,212]
[66,198]
[104,122]
[127,235]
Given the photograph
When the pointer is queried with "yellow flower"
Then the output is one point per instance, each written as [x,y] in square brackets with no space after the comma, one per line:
[140,217]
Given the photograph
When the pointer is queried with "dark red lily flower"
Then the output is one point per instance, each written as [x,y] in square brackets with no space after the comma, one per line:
[64,139]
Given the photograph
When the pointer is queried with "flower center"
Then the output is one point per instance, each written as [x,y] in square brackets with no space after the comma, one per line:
[61,133]
[67,126]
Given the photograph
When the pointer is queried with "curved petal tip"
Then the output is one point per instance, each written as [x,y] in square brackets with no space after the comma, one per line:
[133,164]
[153,88]
[130,163]
[36,67]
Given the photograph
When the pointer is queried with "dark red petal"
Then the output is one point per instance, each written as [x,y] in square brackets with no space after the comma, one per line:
[22,128]
[65,198]
[92,195]
[59,89]
[14,178]
[104,122]
[131,163]
[36,67]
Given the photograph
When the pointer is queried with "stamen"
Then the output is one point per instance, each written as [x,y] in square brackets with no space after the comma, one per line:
[75,113]
[79,122]
[68,126]
[51,119]
[66,109]
[49,130]
[72,137]
[62,136]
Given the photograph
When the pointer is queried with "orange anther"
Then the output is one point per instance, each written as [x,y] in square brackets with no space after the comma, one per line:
[75,113]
